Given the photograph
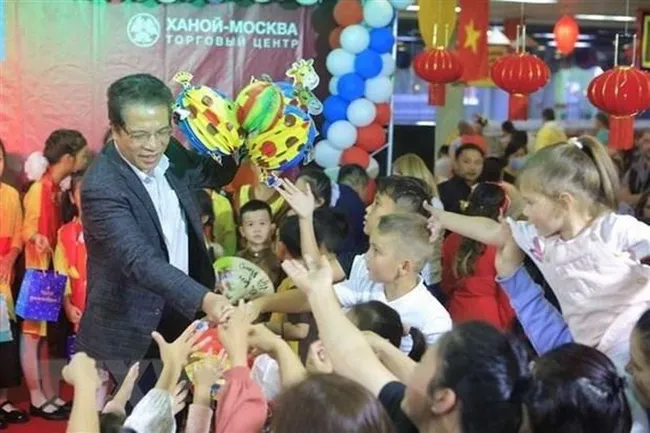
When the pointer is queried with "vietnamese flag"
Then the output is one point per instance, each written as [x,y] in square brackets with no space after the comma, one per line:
[472,44]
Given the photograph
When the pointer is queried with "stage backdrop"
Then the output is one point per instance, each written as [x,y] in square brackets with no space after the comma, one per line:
[57,58]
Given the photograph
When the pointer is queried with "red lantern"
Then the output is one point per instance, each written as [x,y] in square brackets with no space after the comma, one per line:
[520,75]
[566,33]
[438,67]
[622,92]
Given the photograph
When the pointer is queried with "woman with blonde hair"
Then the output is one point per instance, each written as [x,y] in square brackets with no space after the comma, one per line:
[412,165]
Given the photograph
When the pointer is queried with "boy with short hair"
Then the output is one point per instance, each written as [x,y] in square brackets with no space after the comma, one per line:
[257,229]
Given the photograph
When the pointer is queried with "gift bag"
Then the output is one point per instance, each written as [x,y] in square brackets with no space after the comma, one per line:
[5,324]
[69,346]
[41,295]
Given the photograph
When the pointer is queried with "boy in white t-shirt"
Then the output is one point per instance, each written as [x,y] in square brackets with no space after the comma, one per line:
[388,273]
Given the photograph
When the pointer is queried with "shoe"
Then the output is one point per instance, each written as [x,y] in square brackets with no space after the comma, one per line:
[67,407]
[58,415]
[12,416]
[3,424]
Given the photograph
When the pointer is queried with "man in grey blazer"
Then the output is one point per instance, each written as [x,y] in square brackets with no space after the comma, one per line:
[148,267]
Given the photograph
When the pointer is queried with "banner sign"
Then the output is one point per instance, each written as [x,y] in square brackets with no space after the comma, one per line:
[644,24]
[56,68]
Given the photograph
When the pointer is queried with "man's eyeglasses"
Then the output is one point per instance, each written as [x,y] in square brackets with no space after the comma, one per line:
[143,137]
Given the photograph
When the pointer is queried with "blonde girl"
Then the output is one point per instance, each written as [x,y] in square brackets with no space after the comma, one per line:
[589,255]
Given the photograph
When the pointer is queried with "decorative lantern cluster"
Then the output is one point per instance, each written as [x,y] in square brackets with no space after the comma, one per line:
[622,92]
[520,74]
[438,66]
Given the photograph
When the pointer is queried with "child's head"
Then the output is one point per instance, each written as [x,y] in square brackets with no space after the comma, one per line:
[577,389]
[601,121]
[413,166]
[384,321]
[319,183]
[206,211]
[396,194]
[487,200]
[256,223]
[67,148]
[639,364]
[331,229]
[516,150]
[468,164]
[493,168]
[71,204]
[111,422]
[356,177]
[444,151]
[329,404]
[643,143]
[399,247]
[566,180]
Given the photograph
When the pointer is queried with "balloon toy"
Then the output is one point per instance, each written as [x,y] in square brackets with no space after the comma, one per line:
[305,79]
[259,106]
[207,118]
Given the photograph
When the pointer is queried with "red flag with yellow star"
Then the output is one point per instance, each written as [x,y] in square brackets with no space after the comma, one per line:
[472,44]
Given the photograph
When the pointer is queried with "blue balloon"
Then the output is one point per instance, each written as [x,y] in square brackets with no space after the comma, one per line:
[382,40]
[351,86]
[368,64]
[335,108]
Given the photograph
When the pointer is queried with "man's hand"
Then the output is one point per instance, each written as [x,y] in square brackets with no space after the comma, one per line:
[302,203]
[318,361]
[214,305]
[176,354]
[81,370]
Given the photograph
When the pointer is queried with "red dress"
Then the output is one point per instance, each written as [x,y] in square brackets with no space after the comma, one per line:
[475,297]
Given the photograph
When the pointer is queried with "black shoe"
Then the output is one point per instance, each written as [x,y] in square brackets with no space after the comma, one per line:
[67,407]
[14,416]
[58,415]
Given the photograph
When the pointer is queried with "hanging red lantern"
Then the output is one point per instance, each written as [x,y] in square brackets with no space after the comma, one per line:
[520,75]
[622,92]
[438,66]
[566,33]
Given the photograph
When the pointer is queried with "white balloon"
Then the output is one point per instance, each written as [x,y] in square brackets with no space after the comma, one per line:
[401,4]
[378,13]
[334,82]
[333,173]
[373,168]
[307,2]
[361,112]
[340,62]
[342,134]
[388,67]
[379,89]
[327,156]
[355,39]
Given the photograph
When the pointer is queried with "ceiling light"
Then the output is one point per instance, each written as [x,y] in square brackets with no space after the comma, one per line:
[426,123]
[413,8]
[577,44]
[552,36]
[618,18]
[458,9]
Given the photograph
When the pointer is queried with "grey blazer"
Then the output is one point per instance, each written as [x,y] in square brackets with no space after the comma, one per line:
[132,288]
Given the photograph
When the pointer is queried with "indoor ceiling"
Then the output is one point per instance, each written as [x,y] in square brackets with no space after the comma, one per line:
[549,11]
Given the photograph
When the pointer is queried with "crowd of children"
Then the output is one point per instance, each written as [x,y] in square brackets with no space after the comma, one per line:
[395,308]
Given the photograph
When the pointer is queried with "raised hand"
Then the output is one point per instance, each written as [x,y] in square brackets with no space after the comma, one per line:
[315,275]
[180,397]
[123,395]
[177,353]
[435,226]
[81,369]
[262,339]
[233,333]
[302,203]
[509,257]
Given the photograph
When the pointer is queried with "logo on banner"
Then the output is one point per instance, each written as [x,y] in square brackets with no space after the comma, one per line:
[143,30]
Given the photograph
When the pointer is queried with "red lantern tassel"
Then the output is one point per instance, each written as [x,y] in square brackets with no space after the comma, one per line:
[621,132]
[518,107]
[437,94]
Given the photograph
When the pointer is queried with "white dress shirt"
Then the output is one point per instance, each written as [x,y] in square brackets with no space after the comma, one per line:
[171,217]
